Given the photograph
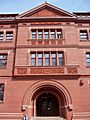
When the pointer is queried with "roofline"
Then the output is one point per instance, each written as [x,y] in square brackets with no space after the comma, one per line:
[43,5]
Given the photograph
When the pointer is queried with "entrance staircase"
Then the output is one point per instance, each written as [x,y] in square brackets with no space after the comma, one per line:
[47,118]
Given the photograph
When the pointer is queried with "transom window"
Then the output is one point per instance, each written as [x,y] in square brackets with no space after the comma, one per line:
[47,34]
[3,60]
[83,35]
[1,92]
[47,59]
[88,58]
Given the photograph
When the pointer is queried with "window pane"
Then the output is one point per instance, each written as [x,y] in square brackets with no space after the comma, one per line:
[47,62]
[33,62]
[54,62]
[40,35]
[53,34]
[9,35]
[39,55]
[40,62]
[33,55]
[46,55]
[34,34]
[59,34]
[46,34]
[40,59]
[53,55]
[47,59]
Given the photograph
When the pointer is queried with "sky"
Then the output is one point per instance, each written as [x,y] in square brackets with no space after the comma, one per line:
[20,6]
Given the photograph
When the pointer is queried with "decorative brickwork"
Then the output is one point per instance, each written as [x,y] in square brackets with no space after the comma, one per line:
[46,42]
[33,42]
[39,42]
[72,70]
[59,42]
[53,42]
[21,71]
[47,71]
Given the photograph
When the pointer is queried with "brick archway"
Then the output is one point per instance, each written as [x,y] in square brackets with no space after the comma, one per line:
[56,88]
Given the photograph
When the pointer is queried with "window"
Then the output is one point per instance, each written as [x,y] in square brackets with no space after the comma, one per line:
[61,58]
[34,36]
[83,35]
[9,35]
[3,60]
[1,92]
[88,58]
[46,34]
[33,59]
[40,59]
[52,34]
[40,34]
[54,59]
[1,36]
[47,59]
[59,34]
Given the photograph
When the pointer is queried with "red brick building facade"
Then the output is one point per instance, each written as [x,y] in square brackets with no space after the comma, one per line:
[45,64]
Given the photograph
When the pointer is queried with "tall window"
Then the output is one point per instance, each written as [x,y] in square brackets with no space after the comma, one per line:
[47,59]
[3,60]
[54,59]
[33,59]
[40,59]
[46,34]
[88,58]
[61,58]
[83,35]
[34,35]
[1,92]
[9,35]
[40,34]
[1,36]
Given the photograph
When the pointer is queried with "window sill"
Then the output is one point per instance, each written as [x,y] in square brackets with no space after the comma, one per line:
[88,66]
[1,102]
[82,40]
[3,68]
[7,41]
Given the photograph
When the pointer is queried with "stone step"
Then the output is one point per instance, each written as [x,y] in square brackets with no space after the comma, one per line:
[47,118]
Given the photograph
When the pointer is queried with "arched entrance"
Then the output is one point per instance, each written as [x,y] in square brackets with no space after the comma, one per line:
[47,105]
[58,96]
